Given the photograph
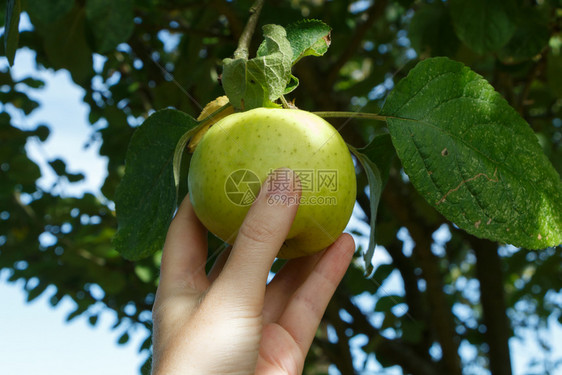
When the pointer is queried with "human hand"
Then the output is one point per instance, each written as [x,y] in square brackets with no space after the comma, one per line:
[230,321]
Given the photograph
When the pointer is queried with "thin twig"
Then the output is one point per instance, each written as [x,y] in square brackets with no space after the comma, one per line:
[343,114]
[242,52]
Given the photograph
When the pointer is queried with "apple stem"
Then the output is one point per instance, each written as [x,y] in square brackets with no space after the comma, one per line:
[242,52]
[284,102]
[343,114]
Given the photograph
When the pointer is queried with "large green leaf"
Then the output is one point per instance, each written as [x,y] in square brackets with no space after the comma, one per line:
[473,157]
[484,25]
[259,81]
[11,30]
[110,21]
[146,197]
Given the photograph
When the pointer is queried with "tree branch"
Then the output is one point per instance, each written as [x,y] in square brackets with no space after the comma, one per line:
[344,358]
[414,299]
[440,312]
[347,114]
[441,317]
[490,276]
[242,52]
[395,351]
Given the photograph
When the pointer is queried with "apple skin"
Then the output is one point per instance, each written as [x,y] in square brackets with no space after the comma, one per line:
[262,140]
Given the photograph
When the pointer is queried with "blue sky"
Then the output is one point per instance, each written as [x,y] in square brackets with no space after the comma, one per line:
[34,337]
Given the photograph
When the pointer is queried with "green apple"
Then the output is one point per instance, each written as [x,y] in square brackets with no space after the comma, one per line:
[234,158]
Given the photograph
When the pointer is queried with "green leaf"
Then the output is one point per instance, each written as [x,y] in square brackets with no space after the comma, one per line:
[42,132]
[431,31]
[553,69]
[182,143]
[19,100]
[146,197]
[123,339]
[11,30]
[308,38]
[530,38]
[292,85]
[412,330]
[35,292]
[375,188]
[483,25]
[81,307]
[93,320]
[33,82]
[110,21]
[472,157]
[381,274]
[66,45]
[24,170]
[275,41]
[387,302]
[48,11]
[58,166]
[381,152]
[262,80]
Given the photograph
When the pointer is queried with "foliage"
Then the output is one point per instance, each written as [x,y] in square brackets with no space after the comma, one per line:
[473,157]
[457,288]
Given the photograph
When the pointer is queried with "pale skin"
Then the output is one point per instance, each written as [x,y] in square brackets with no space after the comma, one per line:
[231,321]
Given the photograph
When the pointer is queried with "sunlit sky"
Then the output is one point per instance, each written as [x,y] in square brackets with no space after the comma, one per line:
[34,337]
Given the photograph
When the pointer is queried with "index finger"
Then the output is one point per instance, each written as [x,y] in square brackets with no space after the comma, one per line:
[259,239]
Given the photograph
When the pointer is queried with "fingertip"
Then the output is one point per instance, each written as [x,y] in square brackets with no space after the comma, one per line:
[185,215]
[337,258]
[185,207]
[344,245]
[348,242]
[185,249]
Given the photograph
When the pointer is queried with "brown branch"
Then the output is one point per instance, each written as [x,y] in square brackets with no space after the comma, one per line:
[404,265]
[440,312]
[492,298]
[343,360]
[395,351]
[414,299]
[243,50]
[441,317]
